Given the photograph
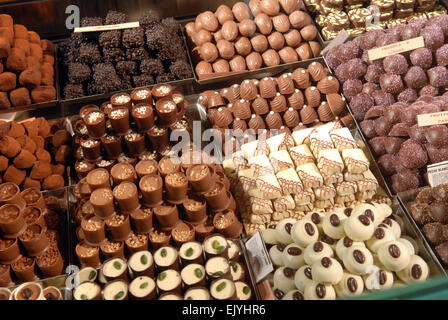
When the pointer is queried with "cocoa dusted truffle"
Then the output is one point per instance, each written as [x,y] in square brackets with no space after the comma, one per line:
[421,57]
[360,104]
[438,76]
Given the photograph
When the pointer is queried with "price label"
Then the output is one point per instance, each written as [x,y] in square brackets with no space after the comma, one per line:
[437,173]
[258,257]
[340,39]
[394,48]
[431,119]
[109,27]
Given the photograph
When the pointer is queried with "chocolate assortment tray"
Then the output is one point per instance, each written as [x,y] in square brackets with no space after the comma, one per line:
[317,100]
[49,232]
[274,45]
[427,216]
[398,220]
[195,271]
[43,106]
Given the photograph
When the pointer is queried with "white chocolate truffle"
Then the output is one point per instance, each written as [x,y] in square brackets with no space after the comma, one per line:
[316,251]
[293,256]
[351,285]
[359,227]
[394,255]
[317,218]
[333,224]
[319,291]
[369,210]
[303,276]
[293,295]
[304,232]
[408,245]
[380,236]
[344,244]
[284,230]
[327,270]
[276,254]
[243,292]
[392,224]
[269,236]
[358,259]
[284,279]
[378,279]
[399,220]
[416,271]
[387,209]
[411,241]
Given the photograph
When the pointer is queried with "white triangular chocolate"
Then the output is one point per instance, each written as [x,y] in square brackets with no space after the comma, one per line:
[269,187]
[368,183]
[281,160]
[289,181]
[310,175]
[301,154]
[302,136]
[325,192]
[343,139]
[262,165]
[284,203]
[261,206]
[330,161]
[320,141]
[355,160]
[304,197]
[346,187]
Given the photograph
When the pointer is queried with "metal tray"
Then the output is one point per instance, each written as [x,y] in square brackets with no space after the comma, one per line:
[407,198]
[435,268]
[241,74]
[71,106]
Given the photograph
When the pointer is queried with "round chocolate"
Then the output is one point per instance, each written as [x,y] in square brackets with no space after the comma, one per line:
[209,52]
[299,19]
[224,13]
[203,68]
[207,20]
[201,37]
[288,55]
[225,49]
[271,58]
[308,32]
[221,66]
[243,46]
[229,30]
[247,27]
[270,7]
[241,11]
[276,40]
[259,43]
[264,23]
[238,63]
[293,38]
[254,61]
[281,23]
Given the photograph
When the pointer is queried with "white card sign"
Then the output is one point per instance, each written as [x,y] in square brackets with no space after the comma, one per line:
[258,257]
[437,173]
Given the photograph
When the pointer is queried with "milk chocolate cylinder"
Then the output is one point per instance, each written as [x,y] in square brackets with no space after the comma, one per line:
[96,236]
[12,228]
[10,254]
[35,246]
[10,193]
[167,215]
[141,221]
[143,115]
[151,188]
[112,145]
[121,231]
[102,201]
